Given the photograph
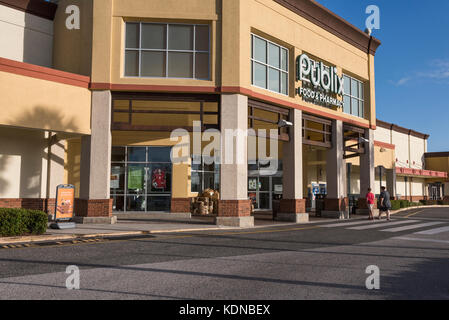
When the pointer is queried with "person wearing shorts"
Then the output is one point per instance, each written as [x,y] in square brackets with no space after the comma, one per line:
[385,204]
[370,203]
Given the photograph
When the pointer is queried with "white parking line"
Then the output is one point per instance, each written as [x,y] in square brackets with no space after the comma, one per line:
[385,224]
[415,226]
[424,240]
[344,224]
[434,231]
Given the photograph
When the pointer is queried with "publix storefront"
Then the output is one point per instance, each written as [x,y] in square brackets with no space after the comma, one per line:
[292,78]
[303,100]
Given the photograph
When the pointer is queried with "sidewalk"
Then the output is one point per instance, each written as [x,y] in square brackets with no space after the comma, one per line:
[142,224]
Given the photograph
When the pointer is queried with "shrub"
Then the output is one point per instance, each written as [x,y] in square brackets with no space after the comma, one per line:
[17,222]
[404,203]
[431,202]
[415,204]
[395,204]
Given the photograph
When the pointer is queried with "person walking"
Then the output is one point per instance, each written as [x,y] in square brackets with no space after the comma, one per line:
[370,203]
[385,204]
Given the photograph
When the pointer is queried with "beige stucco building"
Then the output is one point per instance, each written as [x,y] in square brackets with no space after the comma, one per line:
[96,107]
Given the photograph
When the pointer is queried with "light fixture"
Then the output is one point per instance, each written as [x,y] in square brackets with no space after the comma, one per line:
[284,123]
[362,140]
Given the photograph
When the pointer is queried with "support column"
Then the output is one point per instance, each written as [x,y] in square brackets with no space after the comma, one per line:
[336,204]
[55,170]
[234,208]
[391,182]
[367,174]
[293,206]
[446,191]
[94,204]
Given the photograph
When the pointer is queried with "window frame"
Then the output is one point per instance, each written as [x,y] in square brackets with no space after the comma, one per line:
[360,98]
[268,66]
[166,51]
[201,171]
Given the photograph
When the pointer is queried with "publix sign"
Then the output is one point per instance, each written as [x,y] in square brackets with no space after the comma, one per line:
[320,82]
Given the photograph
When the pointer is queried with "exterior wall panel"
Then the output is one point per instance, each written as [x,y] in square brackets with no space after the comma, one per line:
[25,37]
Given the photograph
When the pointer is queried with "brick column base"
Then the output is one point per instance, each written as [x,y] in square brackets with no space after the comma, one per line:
[292,210]
[42,204]
[93,208]
[292,206]
[180,205]
[234,208]
[336,204]
[235,213]
[361,203]
[335,208]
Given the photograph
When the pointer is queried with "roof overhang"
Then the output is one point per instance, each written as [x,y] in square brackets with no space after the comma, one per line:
[426,174]
[40,8]
[329,21]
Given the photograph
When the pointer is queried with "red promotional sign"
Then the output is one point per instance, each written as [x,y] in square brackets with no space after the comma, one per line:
[159,180]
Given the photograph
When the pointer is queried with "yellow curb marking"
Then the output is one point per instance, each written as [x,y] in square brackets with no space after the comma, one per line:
[412,214]
[83,242]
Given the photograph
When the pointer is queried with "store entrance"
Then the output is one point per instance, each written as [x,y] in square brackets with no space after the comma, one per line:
[264,188]
[141,179]
[434,191]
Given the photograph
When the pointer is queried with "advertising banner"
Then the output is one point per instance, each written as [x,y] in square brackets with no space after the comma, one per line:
[65,198]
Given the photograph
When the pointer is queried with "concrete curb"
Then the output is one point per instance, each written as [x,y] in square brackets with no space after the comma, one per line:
[31,239]
[420,207]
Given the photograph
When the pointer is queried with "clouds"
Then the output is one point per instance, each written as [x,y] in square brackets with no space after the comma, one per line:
[438,71]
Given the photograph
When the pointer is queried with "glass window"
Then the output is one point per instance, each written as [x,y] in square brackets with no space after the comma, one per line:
[347,104]
[154,36]
[118,154]
[132,35]
[180,65]
[205,176]
[269,65]
[284,60]
[137,154]
[132,63]
[202,38]
[353,99]
[180,37]
[260,75]
[141,178]
[260,50]
[274,81]
[202,66]
[159,154]
[274,56]
[167,50]
[153,64]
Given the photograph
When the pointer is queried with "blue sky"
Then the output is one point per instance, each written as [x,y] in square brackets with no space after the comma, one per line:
[412,64]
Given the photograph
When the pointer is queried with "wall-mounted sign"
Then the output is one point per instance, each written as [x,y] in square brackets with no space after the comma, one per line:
[321,83]
[278,188]
[65,198]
